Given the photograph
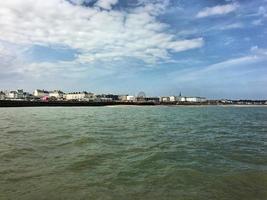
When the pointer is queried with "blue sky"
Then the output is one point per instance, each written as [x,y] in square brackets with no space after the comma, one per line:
[211,48]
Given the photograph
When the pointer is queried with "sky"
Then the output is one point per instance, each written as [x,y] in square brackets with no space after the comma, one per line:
[209,48]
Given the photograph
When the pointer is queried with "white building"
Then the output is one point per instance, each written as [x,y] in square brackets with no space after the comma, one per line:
[193,99]
[20,94]
[40,93]
[57,94]
[12,95]
[122,97]
[27,95]
[165,99]
[130,98]
[226,101]
[182,99]
[105,99]
[80,96]
[2,95]
[173,98]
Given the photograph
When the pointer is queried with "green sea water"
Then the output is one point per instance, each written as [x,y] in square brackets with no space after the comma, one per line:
[134,152]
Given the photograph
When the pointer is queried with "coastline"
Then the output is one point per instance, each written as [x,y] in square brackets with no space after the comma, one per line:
[7,103]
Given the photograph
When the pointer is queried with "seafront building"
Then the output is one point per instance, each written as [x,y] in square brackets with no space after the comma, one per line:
[142,99]
[56,94]
[107,97]
[12,95]
[122,97]
[148,99]
[80,96]
[20,94]
[180,98]
[2,95]
[165,99]
[40,93]
[195,99]
[130,98]
[173,98]
[192,99]
[15,95]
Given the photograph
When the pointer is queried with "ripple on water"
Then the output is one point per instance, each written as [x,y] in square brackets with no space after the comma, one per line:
[195,153]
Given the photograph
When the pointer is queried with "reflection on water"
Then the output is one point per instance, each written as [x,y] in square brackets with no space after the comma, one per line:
[133,153]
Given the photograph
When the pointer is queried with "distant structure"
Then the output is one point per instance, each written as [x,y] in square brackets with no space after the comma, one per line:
[122,97]
[194,99]
[57,94]
[12,95]
[40,93]
[141,94]
[130,98]
[20,94]
[2,95]
[15,95]
[164,99]
[80,96]
[181,99]
[107,97]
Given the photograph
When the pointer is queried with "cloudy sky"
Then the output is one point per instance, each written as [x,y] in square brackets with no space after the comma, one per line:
[212,48]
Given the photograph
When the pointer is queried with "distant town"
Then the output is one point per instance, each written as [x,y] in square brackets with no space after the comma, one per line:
[58,97]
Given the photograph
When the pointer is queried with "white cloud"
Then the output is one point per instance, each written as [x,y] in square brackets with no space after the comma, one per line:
[257,55]
[10,55]
[231,26]
[106,4]
[254,48]
[257,22]
[98,34]
[262,11]
[217,10]
[262,14]
[259,51]
[232,63]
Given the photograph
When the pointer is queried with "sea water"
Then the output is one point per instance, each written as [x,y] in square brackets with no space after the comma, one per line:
[134,152]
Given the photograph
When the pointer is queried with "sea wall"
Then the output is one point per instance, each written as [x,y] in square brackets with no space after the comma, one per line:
[7,103]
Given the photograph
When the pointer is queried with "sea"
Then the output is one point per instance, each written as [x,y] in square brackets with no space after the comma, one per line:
[134,152]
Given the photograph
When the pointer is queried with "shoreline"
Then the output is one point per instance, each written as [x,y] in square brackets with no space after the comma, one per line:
[8,103]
